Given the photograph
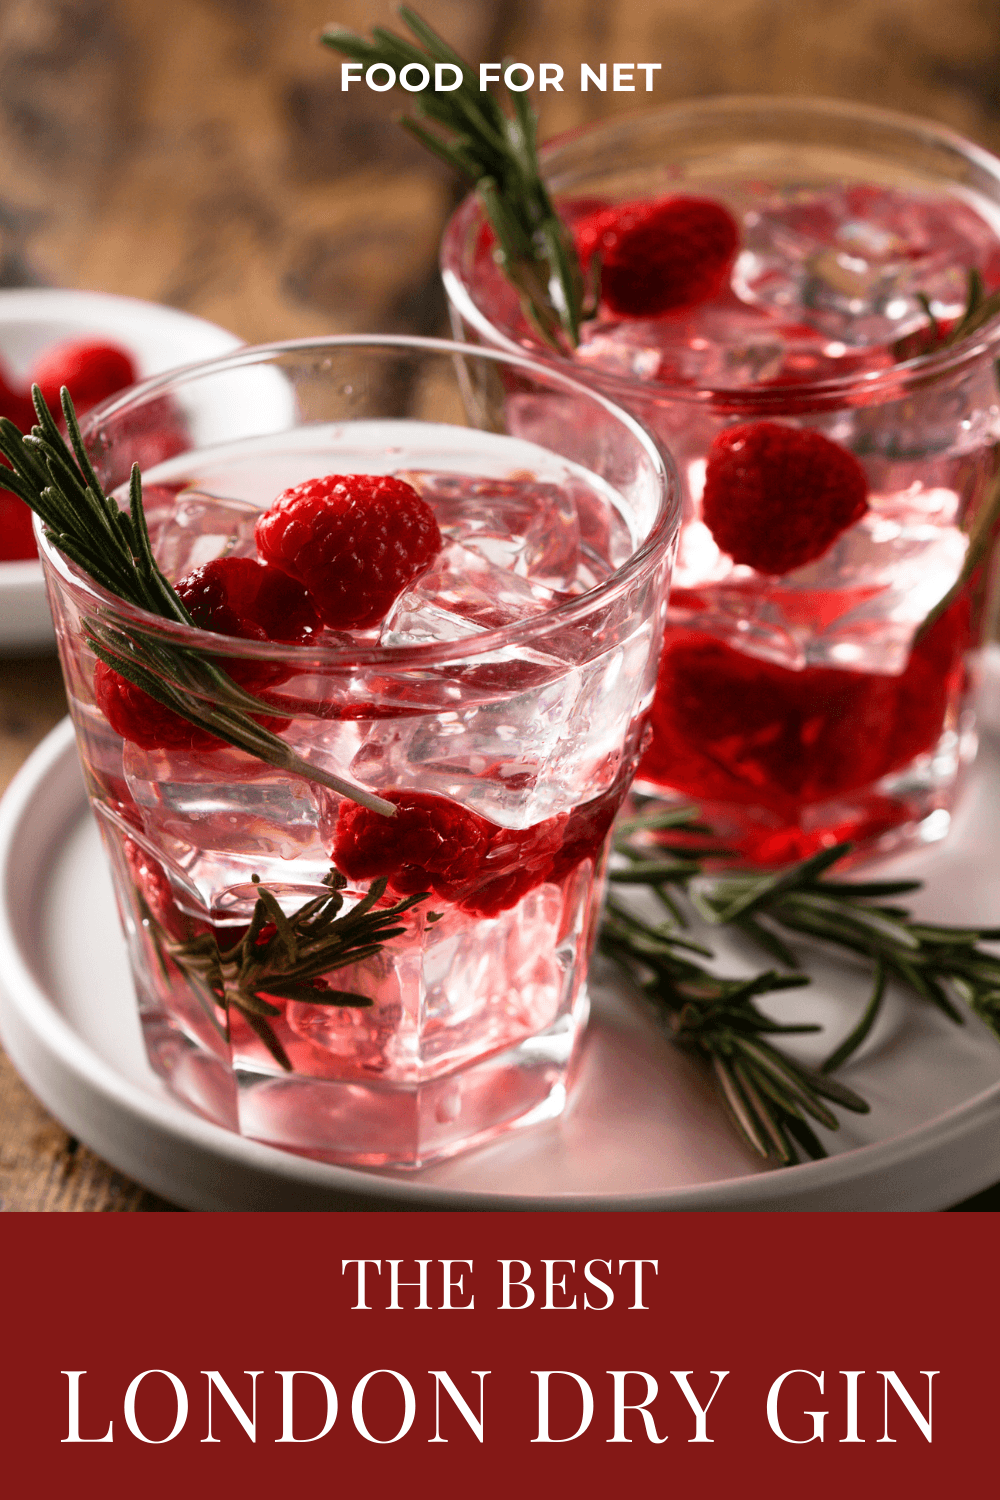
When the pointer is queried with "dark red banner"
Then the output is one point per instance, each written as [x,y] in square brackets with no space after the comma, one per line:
[515,1354]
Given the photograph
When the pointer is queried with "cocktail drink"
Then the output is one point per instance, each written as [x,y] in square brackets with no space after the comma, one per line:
[784,302]
[380,956]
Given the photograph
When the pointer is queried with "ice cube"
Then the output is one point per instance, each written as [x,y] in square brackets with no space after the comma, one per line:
[520,523]
[193,527]
[211,810]
[856,607]
[722,344]
[856,261]
[463,593]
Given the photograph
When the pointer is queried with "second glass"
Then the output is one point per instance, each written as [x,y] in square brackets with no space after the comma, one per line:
[800,703]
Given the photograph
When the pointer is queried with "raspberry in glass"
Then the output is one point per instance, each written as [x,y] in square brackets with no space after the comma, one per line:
[142,720]
[777,497]
[354,540]
[659,257]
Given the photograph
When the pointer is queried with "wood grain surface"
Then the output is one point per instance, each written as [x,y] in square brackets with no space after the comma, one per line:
[203,155]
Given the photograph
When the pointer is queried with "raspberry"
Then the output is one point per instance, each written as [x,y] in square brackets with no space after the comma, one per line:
[233,596]
[17,540]
[777,497]
[143,721]
[435,845]
[354,540]
[431,843]
[250,600]
[659,257]
[728,727]
[153,885]
[91,368]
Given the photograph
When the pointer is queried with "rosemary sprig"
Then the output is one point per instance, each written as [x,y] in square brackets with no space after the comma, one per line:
[282,956]
[112,546]
[768,1094]
[497,154]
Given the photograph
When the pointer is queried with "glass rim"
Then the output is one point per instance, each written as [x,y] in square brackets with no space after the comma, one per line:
[865,387]
[395,658]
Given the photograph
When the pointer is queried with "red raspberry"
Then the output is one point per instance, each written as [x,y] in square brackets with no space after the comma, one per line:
[141,719]
[728,727]
[355,540]
[659,257]
[17,540]
[15,404]
[431,844]
[777,497]
[91,368]
[241,597]
[435,845]
[153,885]
[244,597]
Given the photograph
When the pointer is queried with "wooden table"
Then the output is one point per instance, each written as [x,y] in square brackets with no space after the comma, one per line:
[204,156]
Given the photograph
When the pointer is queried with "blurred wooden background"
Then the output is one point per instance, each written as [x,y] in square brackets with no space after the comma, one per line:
[202,154]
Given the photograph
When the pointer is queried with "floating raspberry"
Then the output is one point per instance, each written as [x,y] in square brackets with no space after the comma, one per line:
[250,600]
[242,597]
[777,497]
[354,540]
[435,845]
[141,719]
[659,257]
[145,722]
[91,368]
[728,727]
[431,844]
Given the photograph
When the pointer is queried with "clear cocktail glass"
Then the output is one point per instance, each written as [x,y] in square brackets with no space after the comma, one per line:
[830,701]
[499,707]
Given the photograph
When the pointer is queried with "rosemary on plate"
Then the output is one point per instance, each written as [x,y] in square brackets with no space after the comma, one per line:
[282,956]
[57,480]
[496,153]
[772,1097]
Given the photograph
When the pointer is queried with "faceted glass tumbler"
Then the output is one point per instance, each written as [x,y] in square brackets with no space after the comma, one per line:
[500,707]
[829,703]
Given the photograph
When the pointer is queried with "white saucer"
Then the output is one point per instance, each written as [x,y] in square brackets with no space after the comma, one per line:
[158,338]
[643,1130]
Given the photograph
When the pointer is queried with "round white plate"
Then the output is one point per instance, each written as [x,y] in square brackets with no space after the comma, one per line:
[643,1129]
[158,338]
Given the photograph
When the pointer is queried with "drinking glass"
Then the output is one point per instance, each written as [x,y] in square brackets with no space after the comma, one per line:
[830,702]
[499,708]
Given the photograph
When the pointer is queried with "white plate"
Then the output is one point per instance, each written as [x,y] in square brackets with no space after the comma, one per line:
[158,338]
[643,1129]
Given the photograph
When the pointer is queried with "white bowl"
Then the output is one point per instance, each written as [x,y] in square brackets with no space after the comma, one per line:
[158,338]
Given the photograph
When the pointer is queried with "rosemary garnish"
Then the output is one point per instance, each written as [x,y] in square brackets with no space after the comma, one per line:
[112,546]
[768,1094]
[497,153]
[283,956]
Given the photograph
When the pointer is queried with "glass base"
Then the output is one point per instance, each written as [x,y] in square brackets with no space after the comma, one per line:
[373,1122]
